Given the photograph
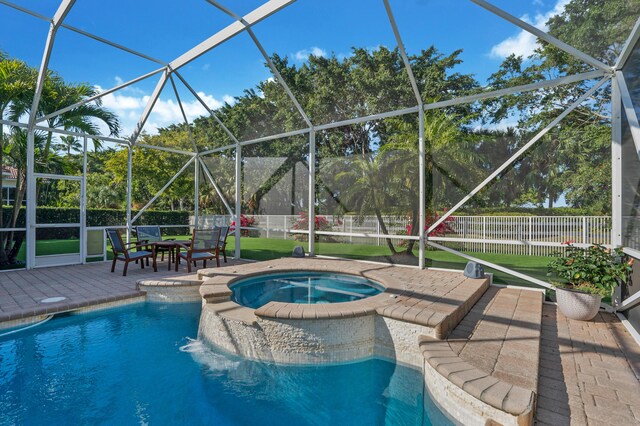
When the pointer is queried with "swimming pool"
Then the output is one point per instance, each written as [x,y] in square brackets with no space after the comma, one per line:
[302,287]
[138,365]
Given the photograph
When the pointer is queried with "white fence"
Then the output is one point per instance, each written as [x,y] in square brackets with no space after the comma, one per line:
[532,235]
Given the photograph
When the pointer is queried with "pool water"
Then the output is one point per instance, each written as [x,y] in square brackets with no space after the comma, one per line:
[139,365]
[302,287]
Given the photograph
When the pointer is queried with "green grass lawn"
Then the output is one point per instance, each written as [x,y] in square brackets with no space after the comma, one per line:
[265,249]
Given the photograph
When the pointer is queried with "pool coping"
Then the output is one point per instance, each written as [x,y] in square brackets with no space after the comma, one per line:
[217,281]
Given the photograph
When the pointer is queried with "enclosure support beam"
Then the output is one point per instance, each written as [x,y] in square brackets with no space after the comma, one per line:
[543,35]
[196,194]
[61,13]
[164,148]
[207,172]
[616,165]
[150,104]
[422,177]
[164,188]
[184,115]
[628,47]
[82,32]
[236,231]
[129,188]
[422,218]
[252,18]
[83,204]
[403,53]
[99,95]
[519,153]
[629,109]
[434,105]
[204,104]
[492,265]
[31,202]
[266,57]
[312,193]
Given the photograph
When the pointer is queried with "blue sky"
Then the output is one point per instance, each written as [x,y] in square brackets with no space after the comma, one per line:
[164,29]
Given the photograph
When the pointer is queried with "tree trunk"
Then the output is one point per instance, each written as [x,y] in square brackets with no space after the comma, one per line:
[414,231]
[383,227]
[21,189]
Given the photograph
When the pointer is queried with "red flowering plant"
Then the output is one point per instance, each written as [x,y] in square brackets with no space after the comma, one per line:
[245,222]
[321,224]
[441,230]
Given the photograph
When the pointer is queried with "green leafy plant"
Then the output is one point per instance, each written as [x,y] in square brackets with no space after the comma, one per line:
[595,269]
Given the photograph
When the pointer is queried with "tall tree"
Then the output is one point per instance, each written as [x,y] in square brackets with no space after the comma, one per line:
[17,81]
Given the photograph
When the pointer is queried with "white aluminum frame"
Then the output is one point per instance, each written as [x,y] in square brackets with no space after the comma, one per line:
[168,69]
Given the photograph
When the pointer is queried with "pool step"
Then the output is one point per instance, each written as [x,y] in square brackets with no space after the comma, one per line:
[441,311]
[491,359]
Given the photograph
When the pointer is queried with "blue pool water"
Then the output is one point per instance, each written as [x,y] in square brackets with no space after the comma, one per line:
[302,287]
[138,365]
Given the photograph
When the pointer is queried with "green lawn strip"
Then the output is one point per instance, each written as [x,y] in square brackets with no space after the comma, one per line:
[535,266]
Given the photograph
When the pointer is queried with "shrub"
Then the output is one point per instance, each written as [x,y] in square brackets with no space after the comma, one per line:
[321,224]
[245,222]
[440,231]
[595,269]
[99,217]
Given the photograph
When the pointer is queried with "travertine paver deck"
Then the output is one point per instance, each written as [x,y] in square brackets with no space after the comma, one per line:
[431,298]
[589,372]
[501,335]
[492,355]
[82,285]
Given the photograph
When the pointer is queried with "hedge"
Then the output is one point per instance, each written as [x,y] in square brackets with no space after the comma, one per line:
[527,211]
[98,217]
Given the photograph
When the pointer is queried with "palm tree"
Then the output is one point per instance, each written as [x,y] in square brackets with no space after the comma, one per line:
[70,143]
[362,178]
[17,81]
[451,160]
[56,95]
[389,179]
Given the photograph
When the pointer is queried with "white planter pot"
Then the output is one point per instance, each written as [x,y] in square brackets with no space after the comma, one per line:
[578,305]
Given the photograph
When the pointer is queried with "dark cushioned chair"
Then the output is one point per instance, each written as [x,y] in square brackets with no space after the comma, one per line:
[124,251]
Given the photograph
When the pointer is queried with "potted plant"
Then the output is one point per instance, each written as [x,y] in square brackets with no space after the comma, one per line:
[590,274]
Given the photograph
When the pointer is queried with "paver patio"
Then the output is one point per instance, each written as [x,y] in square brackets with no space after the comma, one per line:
[589,371]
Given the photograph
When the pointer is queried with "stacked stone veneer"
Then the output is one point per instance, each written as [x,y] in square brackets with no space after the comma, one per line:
[415,303]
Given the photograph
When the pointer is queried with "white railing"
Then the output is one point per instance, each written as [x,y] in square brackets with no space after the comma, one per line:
[532,235]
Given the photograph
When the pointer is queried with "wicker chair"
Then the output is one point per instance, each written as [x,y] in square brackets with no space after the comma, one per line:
[124,251]
[204,246]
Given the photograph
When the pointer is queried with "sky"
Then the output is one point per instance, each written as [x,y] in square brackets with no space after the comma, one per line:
[164,29]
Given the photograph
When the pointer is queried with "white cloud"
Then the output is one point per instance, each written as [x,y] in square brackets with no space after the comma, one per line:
[303,55]
[524,43]
[129,108]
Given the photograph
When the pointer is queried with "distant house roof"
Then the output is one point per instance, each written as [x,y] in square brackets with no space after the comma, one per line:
[9,172]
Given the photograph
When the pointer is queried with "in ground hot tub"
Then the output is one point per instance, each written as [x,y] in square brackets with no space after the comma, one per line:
[302,287]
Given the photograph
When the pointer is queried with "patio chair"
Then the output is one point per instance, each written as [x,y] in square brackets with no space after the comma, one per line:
[124,251]
[152,234]
[204,246]
[222,244]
